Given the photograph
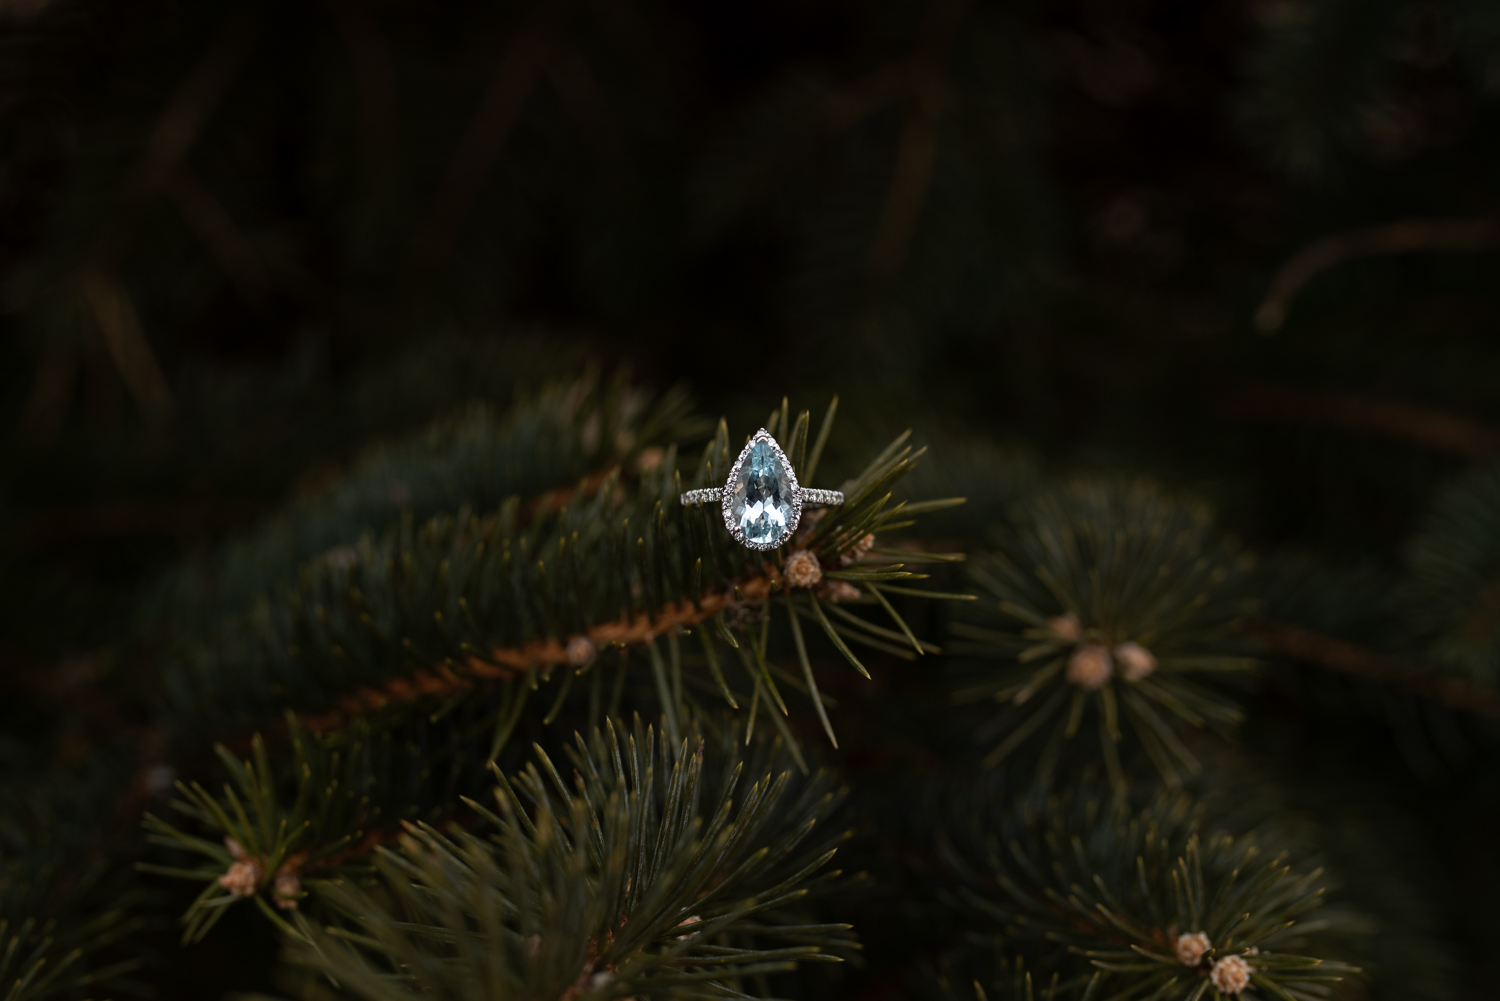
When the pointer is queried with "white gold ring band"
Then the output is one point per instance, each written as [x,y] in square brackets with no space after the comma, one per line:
[810,497]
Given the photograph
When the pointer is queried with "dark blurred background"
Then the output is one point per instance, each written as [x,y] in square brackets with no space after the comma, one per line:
[1245,248]
[1045,222]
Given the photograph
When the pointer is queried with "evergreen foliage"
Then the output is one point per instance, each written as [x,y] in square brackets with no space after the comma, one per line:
[1112,597]
[1114,900]
[662,870]
[502,599]
[476,456]
[64,909]
[325,809]
[1150,656]
[1451,591]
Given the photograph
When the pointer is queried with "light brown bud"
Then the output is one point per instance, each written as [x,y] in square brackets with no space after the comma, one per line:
[1230,974]
[243,878]
[1191,947]
[649,458]
[1136,662]
[859,550]
[1090,667]
[838,590]
[287,889]
[802,569]
[1066,627]
[581,651]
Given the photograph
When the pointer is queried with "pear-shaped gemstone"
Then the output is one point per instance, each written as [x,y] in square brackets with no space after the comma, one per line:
[760,499]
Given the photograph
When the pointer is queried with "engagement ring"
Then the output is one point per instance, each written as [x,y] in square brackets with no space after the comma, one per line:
[761,500]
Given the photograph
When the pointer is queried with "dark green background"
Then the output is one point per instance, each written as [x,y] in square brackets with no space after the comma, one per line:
[1036,232]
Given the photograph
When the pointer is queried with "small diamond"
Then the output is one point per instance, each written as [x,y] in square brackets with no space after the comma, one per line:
[762,496]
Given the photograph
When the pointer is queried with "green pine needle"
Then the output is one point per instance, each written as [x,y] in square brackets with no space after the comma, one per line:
[1110,898]
[660,870]
[1120,595]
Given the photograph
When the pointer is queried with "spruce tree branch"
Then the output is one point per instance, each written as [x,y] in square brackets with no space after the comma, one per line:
[1350,658]
[512,663]
[1392,238]
[553,501]
[422,616]
[1432,428]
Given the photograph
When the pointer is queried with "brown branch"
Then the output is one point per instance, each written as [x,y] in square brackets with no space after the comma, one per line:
[1367,414]
[509,90]
[114,313]
[1392,238]
[375,79]
[178,127]
[555,500]
[213,225]
[1350,658]
[175,132]
[916,152]
[508,664]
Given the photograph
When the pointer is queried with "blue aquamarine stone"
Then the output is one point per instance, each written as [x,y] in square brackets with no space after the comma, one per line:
[761,499]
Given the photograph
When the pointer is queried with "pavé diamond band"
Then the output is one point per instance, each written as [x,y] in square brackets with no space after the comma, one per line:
[810,497]
[761,500]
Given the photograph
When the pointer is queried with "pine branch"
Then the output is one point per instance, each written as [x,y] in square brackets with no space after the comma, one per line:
[488,603]
[1450,604]
[1009,981]
[323,808]
[439,598]
[651,846]
[510,664]
[647,876]
[1126,904]
[569,432]
[69,916]
[1112,600]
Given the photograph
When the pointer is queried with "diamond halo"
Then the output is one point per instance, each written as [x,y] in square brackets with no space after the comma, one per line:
[798,496]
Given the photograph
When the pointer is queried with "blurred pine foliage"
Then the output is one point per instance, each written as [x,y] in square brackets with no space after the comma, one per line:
[355,353]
